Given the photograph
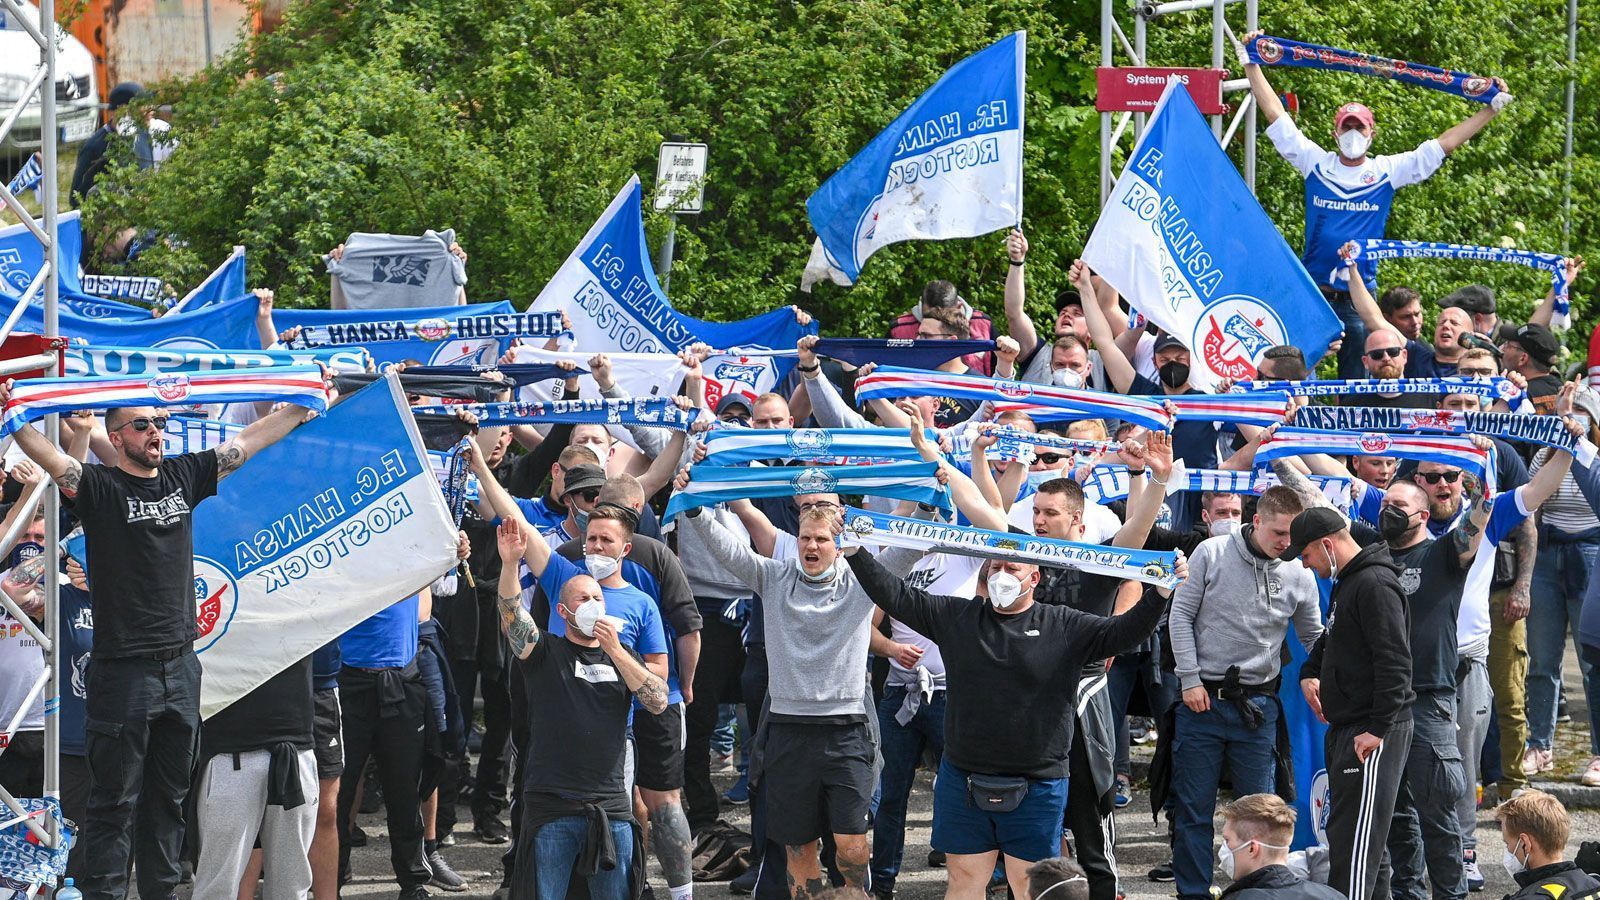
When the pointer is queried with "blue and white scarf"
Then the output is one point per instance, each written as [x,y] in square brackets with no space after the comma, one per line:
[1378,249]
[31,175]
[885,351]
[92,360]
[1260,408]
[1266,50]
[719,484]
[1014,443]
[1496,387]
[482,327]
[1549,431]
[1106,484]
[870,528]
[36,398]
[520,374]
[655,412]
[889,381]
[1449,450]
[730,446]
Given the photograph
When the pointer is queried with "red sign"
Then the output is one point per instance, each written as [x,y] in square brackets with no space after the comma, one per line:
[19,345]
[1137,88]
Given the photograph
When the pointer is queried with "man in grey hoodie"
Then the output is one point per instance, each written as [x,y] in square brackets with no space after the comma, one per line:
[816,753]
[1227,624]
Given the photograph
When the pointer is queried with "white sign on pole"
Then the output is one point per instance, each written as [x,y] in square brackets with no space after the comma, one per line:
[680,178]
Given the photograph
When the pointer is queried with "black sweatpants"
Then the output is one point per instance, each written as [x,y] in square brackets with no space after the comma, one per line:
[385,716]
[1361,807]
[716,681]
[1092,833]
[489,784]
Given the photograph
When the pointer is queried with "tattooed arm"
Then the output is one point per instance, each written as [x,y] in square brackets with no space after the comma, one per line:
[63,469]
[258,436]
[514,620]
[648,688]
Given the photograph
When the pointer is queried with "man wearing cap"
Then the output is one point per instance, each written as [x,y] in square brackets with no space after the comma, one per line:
[1532,352]
[1364,656]
[1348,193]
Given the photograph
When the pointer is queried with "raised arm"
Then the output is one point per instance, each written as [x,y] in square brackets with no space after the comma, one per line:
[664,466]
[1118,369]
[827,406]
[969,499]
[1464,130]
[258,436]
[1361,299]
[1145,499]
[1266,98]
[519,627]
[649,688]
[500,504]
[62,469]
[1018,324]
[1572,265]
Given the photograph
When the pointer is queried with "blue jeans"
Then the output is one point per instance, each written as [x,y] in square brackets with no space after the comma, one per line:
[1203,741]
[557,846]
[1560,578]
[902,747]
[1355,338]
[1030,832]
[1128,672]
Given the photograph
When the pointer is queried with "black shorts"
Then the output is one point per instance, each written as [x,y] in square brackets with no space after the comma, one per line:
[326,733]
[817,779]
[658,749]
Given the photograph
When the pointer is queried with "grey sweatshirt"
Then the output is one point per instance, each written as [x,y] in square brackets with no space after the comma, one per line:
[1234,610]
[816,633]
[384,271]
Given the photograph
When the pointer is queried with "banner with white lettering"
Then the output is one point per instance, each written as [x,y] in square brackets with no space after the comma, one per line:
[608,288]
[156,361]
[314,535]
[950,166]
[476,334]
[1183,239]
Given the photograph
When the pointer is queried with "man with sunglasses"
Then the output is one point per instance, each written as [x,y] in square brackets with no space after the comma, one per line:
[143,708]
[1385,357]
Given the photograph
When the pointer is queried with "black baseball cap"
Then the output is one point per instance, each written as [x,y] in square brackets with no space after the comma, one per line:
[1312,524]
[584,476]
[1474,298]
[1068,297]
[1167,342]
[1538,342]
[732,399]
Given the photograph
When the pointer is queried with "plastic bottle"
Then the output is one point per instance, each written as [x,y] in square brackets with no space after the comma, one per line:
[68,892]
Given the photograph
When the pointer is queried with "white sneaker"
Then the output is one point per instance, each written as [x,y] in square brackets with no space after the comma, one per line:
[1535,761]
[1591,774]
[1475,881]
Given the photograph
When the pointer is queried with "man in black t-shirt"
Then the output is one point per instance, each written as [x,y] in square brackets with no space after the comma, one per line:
[580,691]
[143,709]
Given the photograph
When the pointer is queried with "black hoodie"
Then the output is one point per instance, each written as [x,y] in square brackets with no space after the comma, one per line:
[1364,655]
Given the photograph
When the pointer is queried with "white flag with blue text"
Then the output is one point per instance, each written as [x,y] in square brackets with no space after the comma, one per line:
[949,167]
[1184,240]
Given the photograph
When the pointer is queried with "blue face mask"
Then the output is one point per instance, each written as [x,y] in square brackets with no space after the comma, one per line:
[1040,477]
[23,552]
[582,519]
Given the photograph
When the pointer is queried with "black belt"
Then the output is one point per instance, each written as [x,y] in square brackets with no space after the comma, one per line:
[1223,690]
[155,656]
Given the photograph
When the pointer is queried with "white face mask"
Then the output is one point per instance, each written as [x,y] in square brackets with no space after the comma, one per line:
[823,577]
[586,615]
[1333,561]
[1509,859]
[1353,144]
[1004,589]
[600,565]
[1225,854]
[1222,526]
[1066,378]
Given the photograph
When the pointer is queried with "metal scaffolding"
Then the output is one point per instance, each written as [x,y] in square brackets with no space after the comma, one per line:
[1112,36]
[43,84]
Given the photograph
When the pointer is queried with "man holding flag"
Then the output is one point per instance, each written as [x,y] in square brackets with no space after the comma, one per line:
[143,707]
[1348,193]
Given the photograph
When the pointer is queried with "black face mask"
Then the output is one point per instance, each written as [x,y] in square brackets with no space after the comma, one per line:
[1174,374]
[22,553]
[1393,524]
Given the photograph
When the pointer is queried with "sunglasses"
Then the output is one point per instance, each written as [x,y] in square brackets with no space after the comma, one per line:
[825,504]
[144,423]
[1474,373]
[1436,477]
[589,495]
[1385,353]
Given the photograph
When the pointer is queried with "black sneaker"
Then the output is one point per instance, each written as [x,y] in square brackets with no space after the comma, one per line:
[358,838]
[444,878]
[935,859]
[415,892]
[1163,872]
[491,831]
[746,883]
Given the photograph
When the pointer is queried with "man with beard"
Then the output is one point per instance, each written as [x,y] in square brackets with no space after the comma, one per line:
[143,708]
[1385,358]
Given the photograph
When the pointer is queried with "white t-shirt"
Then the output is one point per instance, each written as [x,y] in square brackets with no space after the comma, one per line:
[21,661]
[1100,524]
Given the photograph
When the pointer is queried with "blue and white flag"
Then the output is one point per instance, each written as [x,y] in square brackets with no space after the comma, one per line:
[950,166]
[22,258]
[1183,239]
[314,535]
[91,360]
[718,484]
[225,282]
[1148,566]
[729,446]
[190,434]
[146,289]
[653,412]
[430,335]
[29,177]
[1106,484]
[1266,50]
[608,288]
[230,325]
[1374,249]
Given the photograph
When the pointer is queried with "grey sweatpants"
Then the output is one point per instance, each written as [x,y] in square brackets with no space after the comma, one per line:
[1474,699]
[232,811]
[1425,840]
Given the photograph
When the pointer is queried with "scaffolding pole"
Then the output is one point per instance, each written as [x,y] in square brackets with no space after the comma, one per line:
[50,134]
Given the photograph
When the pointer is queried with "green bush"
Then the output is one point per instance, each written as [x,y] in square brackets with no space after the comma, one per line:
[516,122]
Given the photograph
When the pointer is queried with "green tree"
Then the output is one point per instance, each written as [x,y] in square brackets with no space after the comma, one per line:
[516,122]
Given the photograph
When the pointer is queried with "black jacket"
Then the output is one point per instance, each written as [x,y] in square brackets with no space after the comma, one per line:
[1278,883]
[1557,881]
[1364,655]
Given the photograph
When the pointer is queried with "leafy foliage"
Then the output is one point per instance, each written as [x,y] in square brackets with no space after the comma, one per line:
[515,122]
